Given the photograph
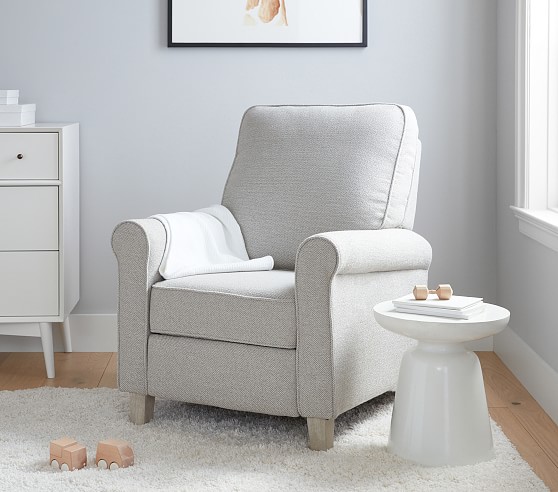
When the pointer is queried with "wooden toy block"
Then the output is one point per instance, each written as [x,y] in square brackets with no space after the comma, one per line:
[114,454]
[58,445]
[67,454]
[444,292]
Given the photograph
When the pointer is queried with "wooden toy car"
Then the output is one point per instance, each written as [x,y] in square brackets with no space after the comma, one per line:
[67,454]
[114,454]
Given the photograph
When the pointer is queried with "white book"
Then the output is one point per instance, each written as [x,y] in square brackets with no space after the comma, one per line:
[445,313]
[456,303]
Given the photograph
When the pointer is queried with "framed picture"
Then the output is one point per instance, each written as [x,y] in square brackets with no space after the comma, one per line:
[266,23]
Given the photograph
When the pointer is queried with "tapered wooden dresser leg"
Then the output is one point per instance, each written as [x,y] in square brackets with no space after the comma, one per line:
[67,335]
[320,433]
[48,349]
[141,408]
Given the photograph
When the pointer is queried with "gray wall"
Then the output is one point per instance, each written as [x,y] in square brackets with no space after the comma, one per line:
[159,125]
[527,270]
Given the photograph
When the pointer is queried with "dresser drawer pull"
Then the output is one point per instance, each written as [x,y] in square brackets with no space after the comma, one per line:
[20,156]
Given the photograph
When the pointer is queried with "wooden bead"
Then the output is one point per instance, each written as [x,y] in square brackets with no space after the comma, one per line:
[444,292]
[420,292]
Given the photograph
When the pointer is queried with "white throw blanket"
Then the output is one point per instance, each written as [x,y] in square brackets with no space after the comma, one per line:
[208,240]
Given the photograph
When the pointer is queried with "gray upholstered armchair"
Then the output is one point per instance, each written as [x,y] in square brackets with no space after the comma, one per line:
[330,193]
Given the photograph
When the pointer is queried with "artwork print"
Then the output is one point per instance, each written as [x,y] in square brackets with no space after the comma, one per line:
[273,23]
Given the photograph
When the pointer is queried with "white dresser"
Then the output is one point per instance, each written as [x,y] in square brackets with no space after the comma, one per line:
[39,231]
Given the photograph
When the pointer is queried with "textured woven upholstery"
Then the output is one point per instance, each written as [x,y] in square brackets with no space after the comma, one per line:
[340,276]
[256,308]
[302,170]
[330,192]
[222,374]
[139,246]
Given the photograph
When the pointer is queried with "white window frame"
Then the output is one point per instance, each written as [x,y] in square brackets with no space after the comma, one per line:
[536,117]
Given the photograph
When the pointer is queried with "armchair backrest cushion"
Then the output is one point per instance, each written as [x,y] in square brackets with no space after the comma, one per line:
[303,170]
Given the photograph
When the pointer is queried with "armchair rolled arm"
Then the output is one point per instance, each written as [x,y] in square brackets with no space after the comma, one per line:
[339,277]
[139,246]
[369,251]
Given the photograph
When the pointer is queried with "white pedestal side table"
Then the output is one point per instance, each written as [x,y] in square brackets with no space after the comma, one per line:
[440,416]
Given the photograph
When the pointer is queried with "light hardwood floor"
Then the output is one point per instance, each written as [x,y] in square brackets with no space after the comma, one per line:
[523,420]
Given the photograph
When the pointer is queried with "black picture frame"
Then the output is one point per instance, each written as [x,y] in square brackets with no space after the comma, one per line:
[362,44]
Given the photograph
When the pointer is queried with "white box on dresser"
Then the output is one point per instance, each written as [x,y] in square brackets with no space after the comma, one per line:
[9,96]
[39,231]
[16,115]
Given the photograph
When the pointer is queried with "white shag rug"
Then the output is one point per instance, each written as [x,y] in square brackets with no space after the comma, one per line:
[197,448]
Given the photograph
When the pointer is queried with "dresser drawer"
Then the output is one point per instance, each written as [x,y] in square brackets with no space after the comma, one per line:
[28,218]
[29,283]
[28,156]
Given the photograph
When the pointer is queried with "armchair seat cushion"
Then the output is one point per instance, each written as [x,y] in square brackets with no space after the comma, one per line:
[256,308]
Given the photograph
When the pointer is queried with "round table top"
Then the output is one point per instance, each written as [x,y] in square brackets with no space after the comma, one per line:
[492,320]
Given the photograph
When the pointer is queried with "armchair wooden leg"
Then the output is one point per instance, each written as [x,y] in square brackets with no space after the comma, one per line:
[141,408]
[320,433]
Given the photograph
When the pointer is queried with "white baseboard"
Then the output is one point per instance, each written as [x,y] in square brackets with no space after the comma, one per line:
[90,333]
[533,372]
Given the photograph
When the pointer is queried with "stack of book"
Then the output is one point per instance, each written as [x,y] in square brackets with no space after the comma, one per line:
[459,307]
